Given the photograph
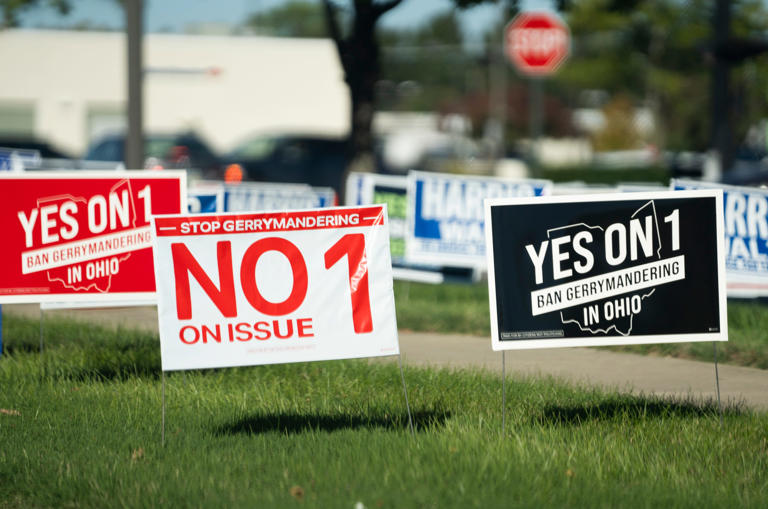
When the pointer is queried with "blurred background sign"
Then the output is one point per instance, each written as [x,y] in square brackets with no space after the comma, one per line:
[12,159]
[537,42]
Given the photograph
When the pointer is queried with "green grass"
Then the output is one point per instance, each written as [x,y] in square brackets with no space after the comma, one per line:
[81,428]
[448,308]
[456,308]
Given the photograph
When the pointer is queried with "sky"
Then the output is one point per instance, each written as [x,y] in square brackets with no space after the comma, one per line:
[174,15]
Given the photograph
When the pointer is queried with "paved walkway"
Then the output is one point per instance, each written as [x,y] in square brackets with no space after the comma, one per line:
[590,366]
[622,371]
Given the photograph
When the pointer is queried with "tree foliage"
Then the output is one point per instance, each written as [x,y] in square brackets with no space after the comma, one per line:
[296,18]
[659,53]
[11,9]
[426,67]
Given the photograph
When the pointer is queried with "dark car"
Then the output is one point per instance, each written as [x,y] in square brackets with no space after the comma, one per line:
[746,173]
[312,160]
[163,151]
[33,154]
[45,149]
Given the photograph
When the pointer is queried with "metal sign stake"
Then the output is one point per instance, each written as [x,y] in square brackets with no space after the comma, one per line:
[41,330]
[717,381]
[503,391]
[162,432]
[405,392]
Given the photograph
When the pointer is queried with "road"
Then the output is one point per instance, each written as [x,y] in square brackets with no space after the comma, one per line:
[588,366]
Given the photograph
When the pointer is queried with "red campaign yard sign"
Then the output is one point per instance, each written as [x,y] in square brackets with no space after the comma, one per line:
[265,288]
[82,236]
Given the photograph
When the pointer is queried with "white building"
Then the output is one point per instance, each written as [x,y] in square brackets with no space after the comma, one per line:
[70,87]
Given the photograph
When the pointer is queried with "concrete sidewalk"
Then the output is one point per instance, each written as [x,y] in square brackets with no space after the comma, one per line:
[589,366]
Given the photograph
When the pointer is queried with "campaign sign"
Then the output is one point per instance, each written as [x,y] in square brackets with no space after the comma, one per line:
[446,223]
[248,289]
[14,159]
[205,200]
[370,188]
[746,237]
[606,269]
[248,197]
[82,235]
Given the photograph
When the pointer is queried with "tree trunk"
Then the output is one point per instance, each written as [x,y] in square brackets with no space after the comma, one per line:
[362,73]
[359,54]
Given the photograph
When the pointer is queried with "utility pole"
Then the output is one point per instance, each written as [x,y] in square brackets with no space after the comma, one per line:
[497,101]
[134,140]
[721,94]
[535,121]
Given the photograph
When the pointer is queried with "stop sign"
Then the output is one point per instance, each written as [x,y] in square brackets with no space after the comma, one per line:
[537,42]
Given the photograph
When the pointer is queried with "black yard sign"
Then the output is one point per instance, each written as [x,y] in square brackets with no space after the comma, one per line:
[606,269]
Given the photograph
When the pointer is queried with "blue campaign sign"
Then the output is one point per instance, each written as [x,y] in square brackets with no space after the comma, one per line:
[5,161]
[204,202]
[745,211]
[446,225]
[12,159]
[357,189]
[254,197]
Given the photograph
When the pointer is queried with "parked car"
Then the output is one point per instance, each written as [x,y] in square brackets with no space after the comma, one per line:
[313,160]
[746,173]
[33,155]
[163,151]
[45,149]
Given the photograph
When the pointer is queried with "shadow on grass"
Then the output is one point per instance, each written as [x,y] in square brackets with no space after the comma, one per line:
[109,373]
[301,423]
[99,363]
[633,409]
[21,347]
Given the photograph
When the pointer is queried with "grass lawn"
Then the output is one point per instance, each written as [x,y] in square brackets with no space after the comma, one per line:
[80,427]
[457,308]
[450,308]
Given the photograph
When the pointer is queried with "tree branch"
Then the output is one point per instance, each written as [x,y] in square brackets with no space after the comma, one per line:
[334,31]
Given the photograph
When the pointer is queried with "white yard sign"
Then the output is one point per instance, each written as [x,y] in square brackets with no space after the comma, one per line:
[267,288]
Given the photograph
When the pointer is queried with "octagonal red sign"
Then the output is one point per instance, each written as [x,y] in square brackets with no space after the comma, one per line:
[537,42]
